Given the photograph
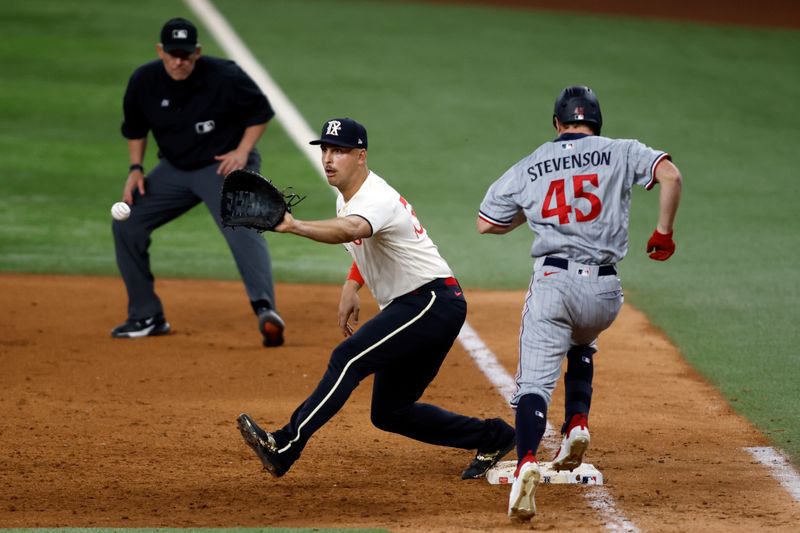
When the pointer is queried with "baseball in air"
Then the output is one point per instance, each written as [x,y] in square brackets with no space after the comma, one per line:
[120,211]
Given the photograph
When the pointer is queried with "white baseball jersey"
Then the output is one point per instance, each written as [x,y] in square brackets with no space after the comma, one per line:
[576,195]
[399,256]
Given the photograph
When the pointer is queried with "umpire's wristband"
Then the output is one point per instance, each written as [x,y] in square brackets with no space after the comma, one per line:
[136,166]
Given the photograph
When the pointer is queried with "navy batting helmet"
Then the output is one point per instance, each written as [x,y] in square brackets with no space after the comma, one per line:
[578,105]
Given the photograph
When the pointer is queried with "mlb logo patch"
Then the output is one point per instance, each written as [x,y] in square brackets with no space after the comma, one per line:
[204,127]
[180,33]
[567,146]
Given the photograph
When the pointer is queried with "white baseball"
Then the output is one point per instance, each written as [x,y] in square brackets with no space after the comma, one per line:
[120,211]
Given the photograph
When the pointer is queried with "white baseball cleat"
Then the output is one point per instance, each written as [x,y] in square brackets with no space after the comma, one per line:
[573,445]
[521,502]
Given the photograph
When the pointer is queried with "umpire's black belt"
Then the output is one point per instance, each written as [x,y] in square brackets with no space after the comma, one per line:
[558,262]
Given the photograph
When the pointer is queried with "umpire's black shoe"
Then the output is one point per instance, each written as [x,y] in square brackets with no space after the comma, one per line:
[485,459]
[143,327]
[271,326]
[263,444]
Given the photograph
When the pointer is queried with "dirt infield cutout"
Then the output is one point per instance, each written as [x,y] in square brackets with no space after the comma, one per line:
[102,432]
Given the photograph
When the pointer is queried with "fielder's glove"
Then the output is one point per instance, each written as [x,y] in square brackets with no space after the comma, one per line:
[252,201]
[660,246]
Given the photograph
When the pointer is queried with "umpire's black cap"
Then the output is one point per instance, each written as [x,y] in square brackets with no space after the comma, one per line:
[344,132]
[179,34]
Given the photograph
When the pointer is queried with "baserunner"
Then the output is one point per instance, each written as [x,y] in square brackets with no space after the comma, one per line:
[574,193]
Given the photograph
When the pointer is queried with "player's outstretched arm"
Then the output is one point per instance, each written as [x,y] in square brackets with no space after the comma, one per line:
[337,230]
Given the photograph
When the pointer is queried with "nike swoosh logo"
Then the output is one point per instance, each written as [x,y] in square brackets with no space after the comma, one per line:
[552,272]
[459,293]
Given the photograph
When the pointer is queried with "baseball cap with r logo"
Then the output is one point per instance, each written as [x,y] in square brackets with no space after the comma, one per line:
[344,132]
[179,34]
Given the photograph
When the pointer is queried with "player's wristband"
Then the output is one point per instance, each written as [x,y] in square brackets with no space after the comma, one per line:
[355,274]
[136,166]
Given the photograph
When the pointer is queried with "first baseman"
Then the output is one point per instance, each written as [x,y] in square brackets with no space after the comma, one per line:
[422,309]
[206,115]
[574,193]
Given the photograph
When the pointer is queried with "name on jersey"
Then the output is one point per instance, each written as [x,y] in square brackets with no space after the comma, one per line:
[567,162]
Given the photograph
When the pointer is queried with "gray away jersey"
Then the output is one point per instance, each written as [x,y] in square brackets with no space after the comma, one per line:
[576,195]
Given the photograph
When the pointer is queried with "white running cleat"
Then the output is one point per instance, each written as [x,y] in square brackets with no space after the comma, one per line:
[521,502]
[573,445]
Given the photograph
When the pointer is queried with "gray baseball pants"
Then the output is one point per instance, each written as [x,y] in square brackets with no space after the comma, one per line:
[169,193]
[563,309]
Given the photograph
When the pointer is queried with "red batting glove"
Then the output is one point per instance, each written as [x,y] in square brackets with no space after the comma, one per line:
[660,246]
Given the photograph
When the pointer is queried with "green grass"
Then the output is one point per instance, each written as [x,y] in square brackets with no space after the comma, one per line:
[451,96]
[65,161]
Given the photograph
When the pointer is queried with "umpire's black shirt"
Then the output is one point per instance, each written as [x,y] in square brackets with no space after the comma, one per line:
[195,119]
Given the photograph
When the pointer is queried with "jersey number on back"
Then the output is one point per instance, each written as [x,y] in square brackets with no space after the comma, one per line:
[556,195]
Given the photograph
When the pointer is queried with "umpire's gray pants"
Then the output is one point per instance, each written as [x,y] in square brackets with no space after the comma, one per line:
[563,308]
[169,193]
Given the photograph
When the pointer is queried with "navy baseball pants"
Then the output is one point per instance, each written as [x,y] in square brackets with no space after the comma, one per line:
[404,345]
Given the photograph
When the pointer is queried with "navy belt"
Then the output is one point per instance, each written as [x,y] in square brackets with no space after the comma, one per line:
[438,283]
[558,262]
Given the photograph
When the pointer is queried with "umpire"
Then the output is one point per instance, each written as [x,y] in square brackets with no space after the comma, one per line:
[206,116]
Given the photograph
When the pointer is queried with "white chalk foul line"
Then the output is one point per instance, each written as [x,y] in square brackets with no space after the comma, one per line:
[598,497]
[487,362]
[285,111]
[779,467]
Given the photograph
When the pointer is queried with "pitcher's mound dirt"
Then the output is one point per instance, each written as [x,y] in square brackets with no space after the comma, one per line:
[123,433]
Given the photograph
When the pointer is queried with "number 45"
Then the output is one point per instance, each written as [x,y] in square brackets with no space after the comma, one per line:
[555,194]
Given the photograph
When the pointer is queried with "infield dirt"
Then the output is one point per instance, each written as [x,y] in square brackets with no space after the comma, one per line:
[122,433]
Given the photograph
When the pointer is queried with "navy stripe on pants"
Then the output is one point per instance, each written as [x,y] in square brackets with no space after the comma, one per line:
[404,345]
